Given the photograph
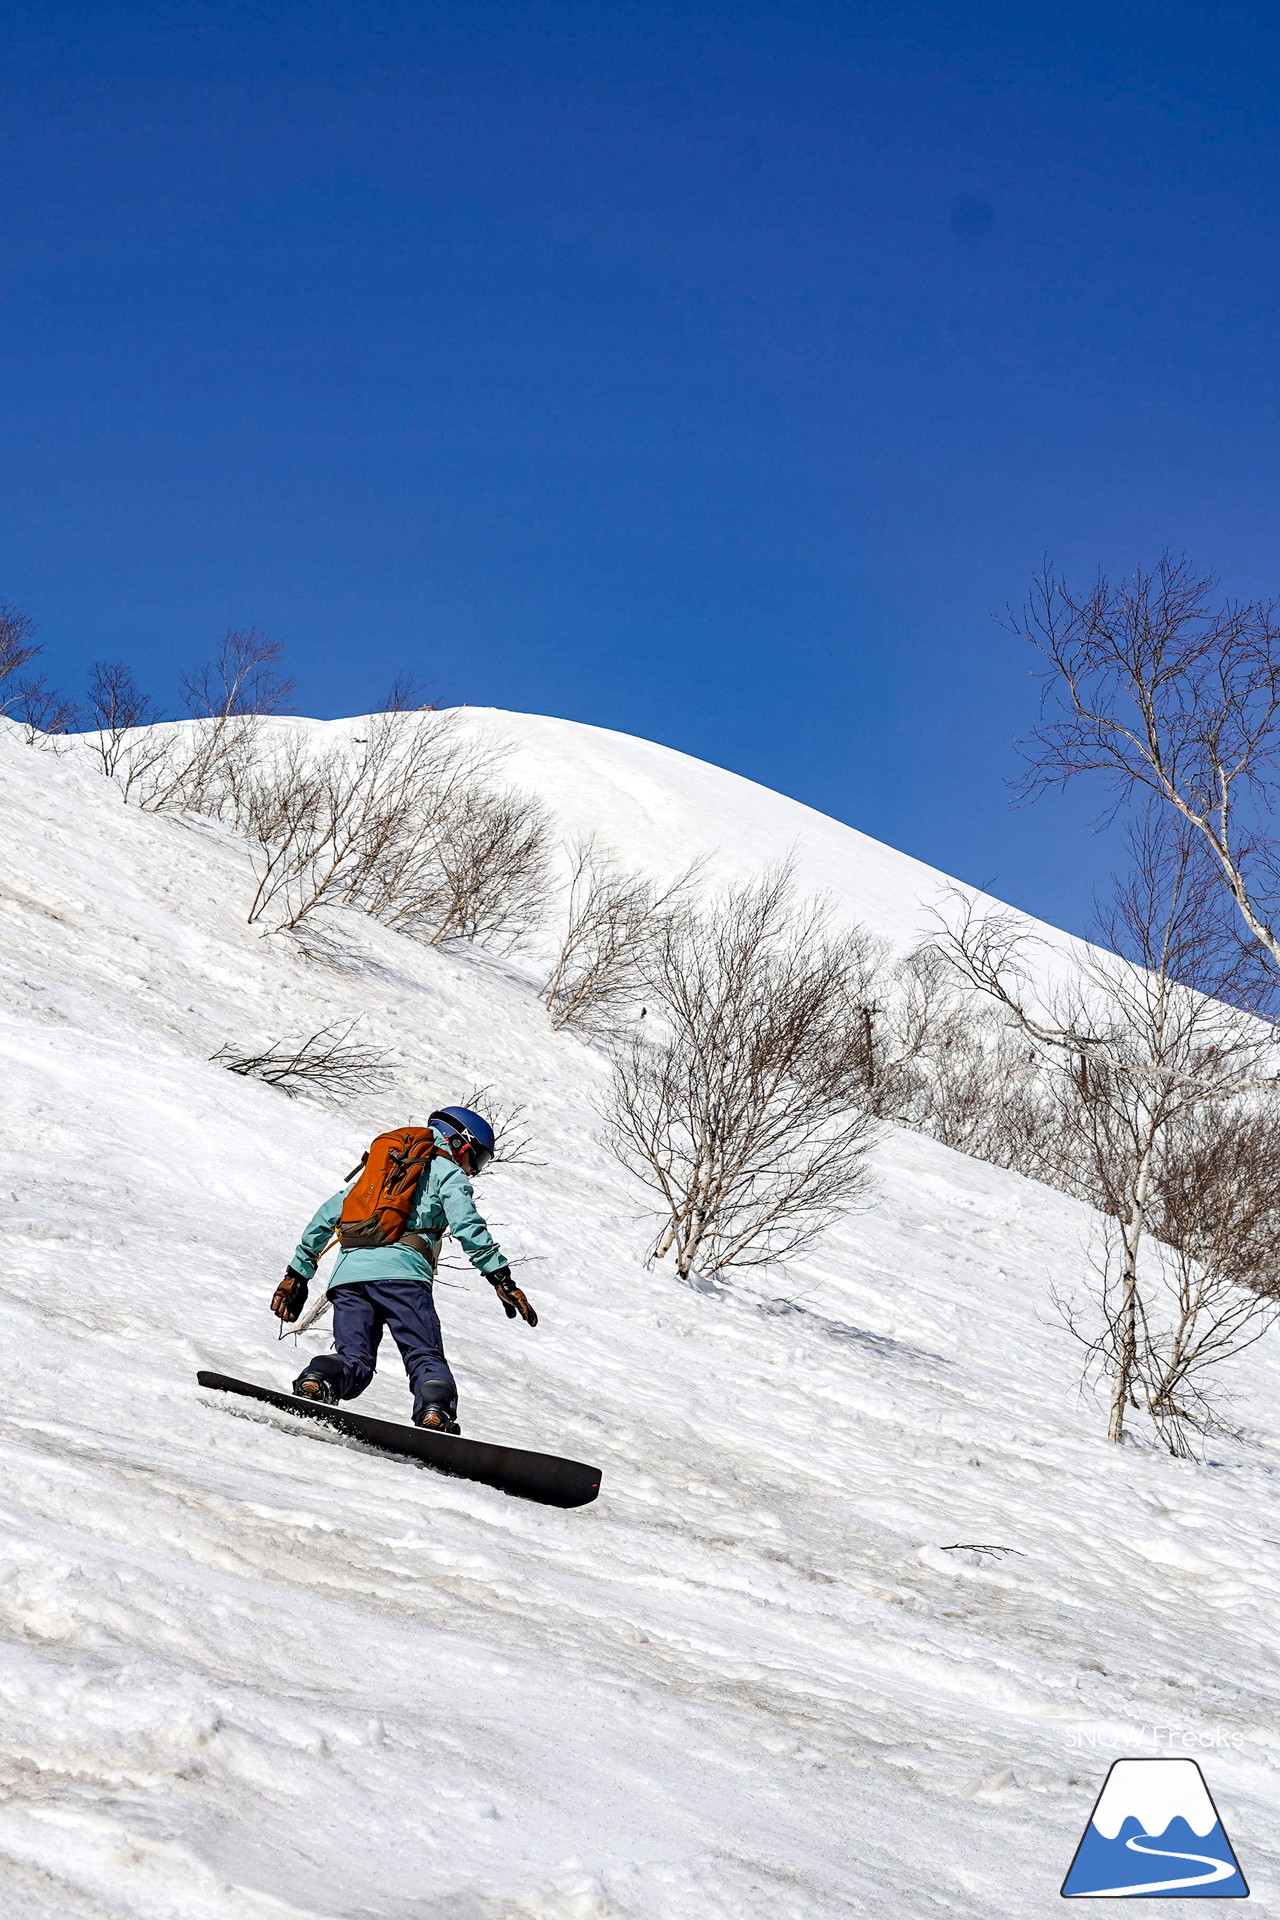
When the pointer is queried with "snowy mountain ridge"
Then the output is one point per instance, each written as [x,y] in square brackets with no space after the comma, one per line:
[864,1609]
[1153,1797]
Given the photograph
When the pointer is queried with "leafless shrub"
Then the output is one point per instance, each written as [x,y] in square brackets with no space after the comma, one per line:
[481,873]
[742,1104]
[325,1062]
[401,821]
[1217,1208]
[951,1067]
[614,919]
[17,648]
[345,823]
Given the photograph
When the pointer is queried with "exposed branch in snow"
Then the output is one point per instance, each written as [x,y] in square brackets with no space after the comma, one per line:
[325,1062]
[978,1546]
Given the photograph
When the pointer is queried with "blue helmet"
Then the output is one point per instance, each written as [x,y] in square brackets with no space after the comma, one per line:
[469,1129]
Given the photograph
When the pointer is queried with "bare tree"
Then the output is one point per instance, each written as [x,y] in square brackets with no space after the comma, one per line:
[46,716]
[1147,1036]
[613,920]
[1167,693]
[324,820]
[123,719]
[325,1062]
[741,1105]
[243,679]
[42,713]
[208,765]
[408,695]
[17,648]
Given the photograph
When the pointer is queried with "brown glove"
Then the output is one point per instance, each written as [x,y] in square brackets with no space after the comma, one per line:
[290,1297]
[512,1298]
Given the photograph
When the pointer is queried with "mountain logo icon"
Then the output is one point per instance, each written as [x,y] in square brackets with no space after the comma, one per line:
[1155,1830]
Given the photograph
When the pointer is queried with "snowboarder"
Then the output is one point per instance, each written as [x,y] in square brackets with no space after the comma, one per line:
[412,1187]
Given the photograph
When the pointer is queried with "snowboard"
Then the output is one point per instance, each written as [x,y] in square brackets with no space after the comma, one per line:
[530,1476]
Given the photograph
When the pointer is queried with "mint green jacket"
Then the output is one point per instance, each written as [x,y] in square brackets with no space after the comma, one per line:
[444,1203]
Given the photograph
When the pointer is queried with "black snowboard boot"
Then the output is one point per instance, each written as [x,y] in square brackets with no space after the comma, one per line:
[313,1386]
[437,1419]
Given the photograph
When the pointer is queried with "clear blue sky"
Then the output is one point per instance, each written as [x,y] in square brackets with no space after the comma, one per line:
[711,372]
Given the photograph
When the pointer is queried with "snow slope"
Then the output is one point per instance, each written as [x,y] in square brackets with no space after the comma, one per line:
[247,1671]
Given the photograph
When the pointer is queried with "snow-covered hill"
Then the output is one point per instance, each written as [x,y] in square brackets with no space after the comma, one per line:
[248,1671]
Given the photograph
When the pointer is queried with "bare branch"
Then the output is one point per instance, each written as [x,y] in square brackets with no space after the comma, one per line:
[1165,694]
[325,1062]
[17,649]
[508,1119]
[242,679]
[45,715]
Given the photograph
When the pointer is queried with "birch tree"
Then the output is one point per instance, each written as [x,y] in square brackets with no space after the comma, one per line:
[1167,693]
[1148,1037]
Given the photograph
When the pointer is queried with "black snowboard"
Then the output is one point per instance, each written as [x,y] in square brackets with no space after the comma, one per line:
[532,1476]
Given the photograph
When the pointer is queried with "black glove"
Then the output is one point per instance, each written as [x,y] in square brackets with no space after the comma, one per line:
[512,1299]
[290,1297]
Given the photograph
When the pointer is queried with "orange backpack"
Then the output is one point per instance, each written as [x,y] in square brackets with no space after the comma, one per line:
[375,1212]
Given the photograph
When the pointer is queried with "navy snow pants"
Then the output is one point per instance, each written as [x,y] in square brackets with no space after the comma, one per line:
[360,1312]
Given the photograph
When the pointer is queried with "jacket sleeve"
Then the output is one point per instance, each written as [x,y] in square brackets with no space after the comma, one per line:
[317,1236]
[465,1224]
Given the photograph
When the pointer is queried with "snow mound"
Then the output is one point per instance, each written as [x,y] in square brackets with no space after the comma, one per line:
[247,1670]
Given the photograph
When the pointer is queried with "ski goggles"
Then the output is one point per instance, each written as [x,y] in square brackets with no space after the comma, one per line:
[480,1154]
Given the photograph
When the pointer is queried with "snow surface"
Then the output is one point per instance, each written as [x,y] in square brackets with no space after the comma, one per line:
[249,1672]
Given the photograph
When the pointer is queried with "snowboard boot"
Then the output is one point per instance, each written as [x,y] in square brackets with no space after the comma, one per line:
[312,1386]
[437,1420]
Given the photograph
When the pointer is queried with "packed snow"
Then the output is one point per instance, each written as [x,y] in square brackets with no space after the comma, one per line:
[864,1610]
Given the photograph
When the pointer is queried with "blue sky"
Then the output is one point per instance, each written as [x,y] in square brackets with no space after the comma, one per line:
[716,373]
